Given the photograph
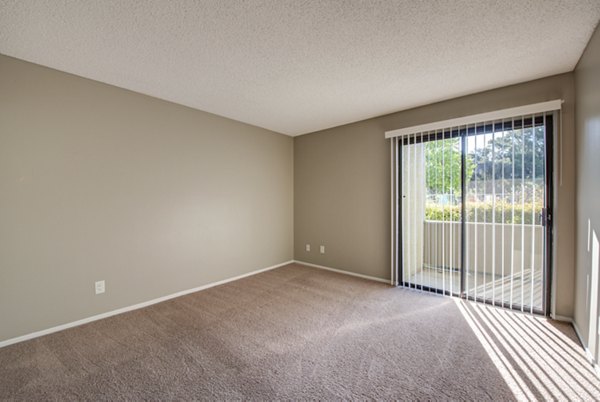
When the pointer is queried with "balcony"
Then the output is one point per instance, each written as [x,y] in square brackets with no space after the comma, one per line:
[504,261]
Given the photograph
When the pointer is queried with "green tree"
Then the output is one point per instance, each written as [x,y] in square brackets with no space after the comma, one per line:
[512,149]
[443,166]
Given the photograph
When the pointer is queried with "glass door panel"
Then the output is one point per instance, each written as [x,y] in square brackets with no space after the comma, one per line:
[505,203]
[474,211]
[431,210]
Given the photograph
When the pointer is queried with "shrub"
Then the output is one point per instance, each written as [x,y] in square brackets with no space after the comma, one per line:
[485,212]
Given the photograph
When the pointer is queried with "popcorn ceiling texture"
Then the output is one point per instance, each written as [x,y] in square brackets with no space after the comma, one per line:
[301,66]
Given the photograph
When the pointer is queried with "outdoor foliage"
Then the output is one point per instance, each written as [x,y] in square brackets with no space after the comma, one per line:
[508,165]
[513,154]
[484,212]
[443,172]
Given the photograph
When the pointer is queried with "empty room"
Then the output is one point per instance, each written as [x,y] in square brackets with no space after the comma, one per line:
[299,200]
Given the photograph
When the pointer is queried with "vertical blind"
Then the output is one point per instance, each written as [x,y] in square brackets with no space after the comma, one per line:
[470,208]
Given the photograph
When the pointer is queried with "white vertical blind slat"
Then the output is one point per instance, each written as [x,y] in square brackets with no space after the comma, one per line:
[531,303]
[522,211]
[394,211]
[512,241]
[493,212]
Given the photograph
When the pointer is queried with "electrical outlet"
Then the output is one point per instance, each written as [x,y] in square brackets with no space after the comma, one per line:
[322,249]
[100,287]
[308,247]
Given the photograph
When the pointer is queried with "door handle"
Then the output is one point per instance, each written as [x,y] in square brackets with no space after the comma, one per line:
[544,218]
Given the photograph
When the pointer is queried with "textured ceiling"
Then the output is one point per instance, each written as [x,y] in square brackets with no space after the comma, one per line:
[300,66]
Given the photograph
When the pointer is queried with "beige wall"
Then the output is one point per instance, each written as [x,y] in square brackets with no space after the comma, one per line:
[587,85]
[97,183]
[342,183]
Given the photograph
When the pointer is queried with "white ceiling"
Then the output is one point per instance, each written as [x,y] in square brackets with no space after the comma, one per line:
[297,66]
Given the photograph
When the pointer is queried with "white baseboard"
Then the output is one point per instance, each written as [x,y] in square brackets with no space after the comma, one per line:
[562,318]
[588,354]
[339,271]
[133,307]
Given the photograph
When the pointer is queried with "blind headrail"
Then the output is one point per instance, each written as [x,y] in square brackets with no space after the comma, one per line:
[478,118]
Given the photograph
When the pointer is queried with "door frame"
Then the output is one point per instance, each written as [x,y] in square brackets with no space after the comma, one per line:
[549,122]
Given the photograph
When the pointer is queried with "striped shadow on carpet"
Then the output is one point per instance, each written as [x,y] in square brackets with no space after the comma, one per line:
[297,333]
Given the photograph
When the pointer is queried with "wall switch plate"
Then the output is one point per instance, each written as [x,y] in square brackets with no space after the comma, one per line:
[100,287]
[308,247]
[322,249]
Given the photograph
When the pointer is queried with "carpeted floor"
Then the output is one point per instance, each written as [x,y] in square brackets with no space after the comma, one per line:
[290,333]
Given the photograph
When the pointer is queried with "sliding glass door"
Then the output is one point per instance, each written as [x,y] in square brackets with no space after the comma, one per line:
[474,205]
[432,212]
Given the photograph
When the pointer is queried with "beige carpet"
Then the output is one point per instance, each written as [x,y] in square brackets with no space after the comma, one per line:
[291,333]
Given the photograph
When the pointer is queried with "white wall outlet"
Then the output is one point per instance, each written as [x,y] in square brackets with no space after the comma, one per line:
[100,287]
[322,249]
[308,247]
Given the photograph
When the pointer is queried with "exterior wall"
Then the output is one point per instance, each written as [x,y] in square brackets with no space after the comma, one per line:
[443,247]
